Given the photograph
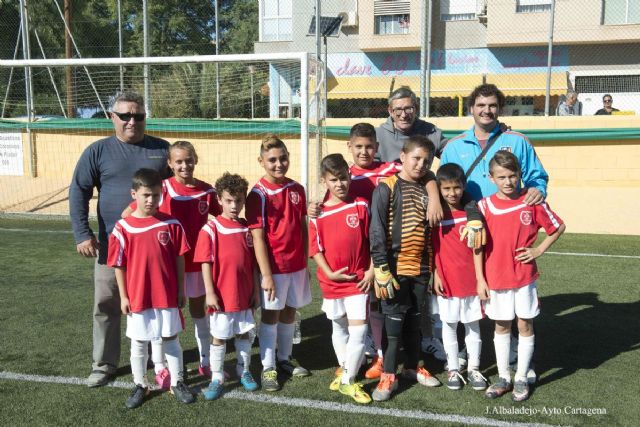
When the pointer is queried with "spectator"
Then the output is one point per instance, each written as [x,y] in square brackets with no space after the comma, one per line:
[607,106]
[570,106]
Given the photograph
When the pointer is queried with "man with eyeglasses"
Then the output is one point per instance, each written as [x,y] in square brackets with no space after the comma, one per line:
[108,165]
[607,109]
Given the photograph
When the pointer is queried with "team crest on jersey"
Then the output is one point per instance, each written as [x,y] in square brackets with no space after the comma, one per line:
[526,217]
[294,197]
[249,240]
[163,237]
[352,220]
[506,148]
[203,207]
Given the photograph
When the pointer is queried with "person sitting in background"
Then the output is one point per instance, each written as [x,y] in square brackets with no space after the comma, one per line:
[570,106]
[607,106]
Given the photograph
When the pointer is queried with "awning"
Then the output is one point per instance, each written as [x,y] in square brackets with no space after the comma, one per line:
[442,86]
[529,84]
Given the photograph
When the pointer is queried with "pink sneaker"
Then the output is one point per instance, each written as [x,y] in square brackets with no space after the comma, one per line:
[204,371]
[163,379]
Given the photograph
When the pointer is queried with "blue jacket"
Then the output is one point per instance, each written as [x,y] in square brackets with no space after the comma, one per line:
[464,149]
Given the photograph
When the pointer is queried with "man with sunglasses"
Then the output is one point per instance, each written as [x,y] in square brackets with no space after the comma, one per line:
[607,106]
[108,165]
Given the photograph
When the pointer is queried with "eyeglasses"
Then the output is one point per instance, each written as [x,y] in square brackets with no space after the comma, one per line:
[407,110]
[607,100]
[125,117]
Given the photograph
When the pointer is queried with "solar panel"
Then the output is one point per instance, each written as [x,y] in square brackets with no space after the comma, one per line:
[329,26]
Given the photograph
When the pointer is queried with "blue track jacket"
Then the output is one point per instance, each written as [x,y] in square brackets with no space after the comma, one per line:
[464,149]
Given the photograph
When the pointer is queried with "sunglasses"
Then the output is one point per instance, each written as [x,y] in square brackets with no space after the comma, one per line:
[125,117]
[607,100]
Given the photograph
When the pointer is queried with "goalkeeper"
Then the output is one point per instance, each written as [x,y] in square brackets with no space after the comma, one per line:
[402,257]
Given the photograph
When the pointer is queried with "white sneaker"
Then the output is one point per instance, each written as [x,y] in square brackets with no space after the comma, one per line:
[434,347]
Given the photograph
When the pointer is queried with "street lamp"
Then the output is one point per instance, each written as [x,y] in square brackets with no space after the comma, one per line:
[252,70]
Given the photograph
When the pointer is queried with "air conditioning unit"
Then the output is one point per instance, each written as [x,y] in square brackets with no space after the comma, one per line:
[349,19]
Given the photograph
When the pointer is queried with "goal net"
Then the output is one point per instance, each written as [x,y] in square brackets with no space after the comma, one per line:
[223,104]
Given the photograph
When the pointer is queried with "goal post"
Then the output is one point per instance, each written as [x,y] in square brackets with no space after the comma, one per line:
[261,93]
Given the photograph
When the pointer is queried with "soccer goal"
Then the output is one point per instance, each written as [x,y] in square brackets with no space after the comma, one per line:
[224,104]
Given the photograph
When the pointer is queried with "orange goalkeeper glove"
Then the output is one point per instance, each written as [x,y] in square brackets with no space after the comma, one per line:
[475,234]
[386,284]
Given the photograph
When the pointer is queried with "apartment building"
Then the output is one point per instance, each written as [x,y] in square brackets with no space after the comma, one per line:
[377,49]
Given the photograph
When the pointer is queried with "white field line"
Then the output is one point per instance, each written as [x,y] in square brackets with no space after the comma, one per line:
[299,403]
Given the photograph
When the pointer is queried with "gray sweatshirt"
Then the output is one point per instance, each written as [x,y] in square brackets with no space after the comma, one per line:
[108,165]
[391,140]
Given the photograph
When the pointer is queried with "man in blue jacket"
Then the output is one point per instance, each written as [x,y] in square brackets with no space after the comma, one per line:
[485,103]
[108,165]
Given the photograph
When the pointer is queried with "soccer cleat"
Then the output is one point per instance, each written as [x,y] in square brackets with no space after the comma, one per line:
[247,381]
[498,389]
[98,378]
[204,371]
[355,391]
[434,347]
[376,368]
[214,390]
[422,376]
[455,380]
[532,377]
[182,393]
[335,384]
[477,381]
[270,380]
[163,379]
[288,367]
[137,396]
[387,385]
[339,370]
[520,391]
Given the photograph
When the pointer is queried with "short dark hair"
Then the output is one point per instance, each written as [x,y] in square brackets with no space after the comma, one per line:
[486,90]
[126,96]
[418,141]
[183,145]
[271,141]
[451,172]
[363,130]
[233,184]
[507,160]
[146,178]
[607,94]
[336,165]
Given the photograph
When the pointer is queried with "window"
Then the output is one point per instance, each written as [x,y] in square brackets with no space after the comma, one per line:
[458,10]
[276,20]
[615,12]
[608,83]
[392,24]
[527,6]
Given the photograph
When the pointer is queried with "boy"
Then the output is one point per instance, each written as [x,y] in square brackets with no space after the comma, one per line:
[338,242]
[402,257]
[511,270]
[151,293]
[225,249]
[276,210]
[454,280]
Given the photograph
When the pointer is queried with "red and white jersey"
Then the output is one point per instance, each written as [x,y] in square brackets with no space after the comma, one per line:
[280,210]
[228,246]
[364,181]
[148,248]
[512,224]
[191,206]
[454,259]
[341,234]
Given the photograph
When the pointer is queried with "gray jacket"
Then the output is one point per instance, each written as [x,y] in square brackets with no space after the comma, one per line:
[391,140]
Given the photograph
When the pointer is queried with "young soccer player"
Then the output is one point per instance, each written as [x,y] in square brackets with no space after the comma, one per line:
[151,293]
[225,249]
[339,243]
[276,215]
[511,270]
[190,201]
[402,256]
[455,280]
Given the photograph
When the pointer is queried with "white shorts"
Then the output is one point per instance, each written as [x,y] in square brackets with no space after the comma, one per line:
[509,303]
[458,309]
[154,323]
[225,326]
[194,284]
[356,307]
[292,289]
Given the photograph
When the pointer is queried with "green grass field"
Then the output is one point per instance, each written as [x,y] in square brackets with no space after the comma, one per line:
[589,333]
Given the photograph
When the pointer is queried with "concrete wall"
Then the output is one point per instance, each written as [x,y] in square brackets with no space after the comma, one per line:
[594,186]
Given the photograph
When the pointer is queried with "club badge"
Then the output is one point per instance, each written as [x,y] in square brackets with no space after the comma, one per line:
[203,207]
[249,240]
[163,237]
[526,217]
[352,220]
[294,197]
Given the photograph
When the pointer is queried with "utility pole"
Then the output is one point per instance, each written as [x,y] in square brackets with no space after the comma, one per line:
[547,96]
[217,63]
[68,71]
[145,34]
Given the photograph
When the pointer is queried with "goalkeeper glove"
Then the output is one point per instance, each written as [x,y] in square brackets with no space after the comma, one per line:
[386,284]
[475,233]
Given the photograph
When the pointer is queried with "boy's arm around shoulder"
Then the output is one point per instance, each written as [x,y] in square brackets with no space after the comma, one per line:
[378,224]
